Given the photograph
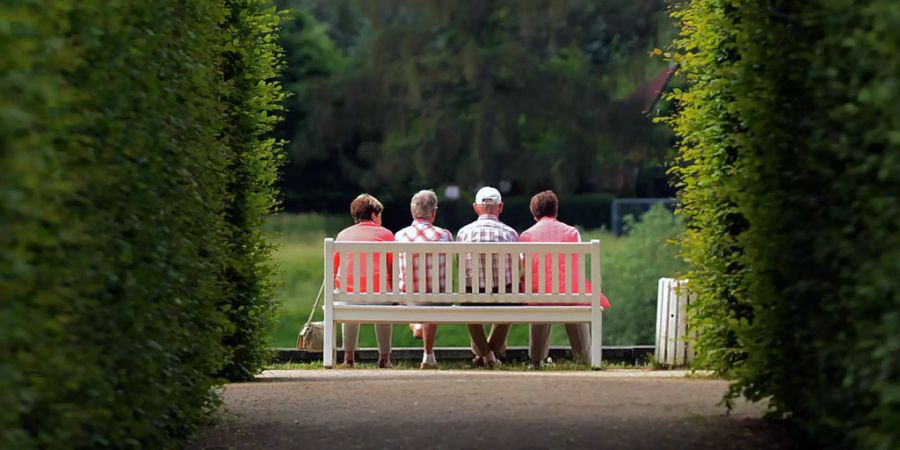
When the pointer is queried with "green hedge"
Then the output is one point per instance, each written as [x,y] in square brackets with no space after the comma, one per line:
[113,232]
[251,62]
[790,162]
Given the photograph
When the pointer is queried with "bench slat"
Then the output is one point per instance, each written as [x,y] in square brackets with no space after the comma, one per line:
[343,271]
[489,272]
[421,277]
[356,275]
[514,271]
[414,298]
[542,274]
[382,271]
[370,269]
[461,271]
[448,281]
[466,247]
[555,263]
[395,273]
[529,270]
[456,314]
[582,281]
[476,272]
[435,272]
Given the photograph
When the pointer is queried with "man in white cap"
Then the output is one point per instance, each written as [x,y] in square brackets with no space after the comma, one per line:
[488,228]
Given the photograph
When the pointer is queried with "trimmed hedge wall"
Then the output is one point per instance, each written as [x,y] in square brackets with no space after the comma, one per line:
[251,64]
[789,174]
[118,171]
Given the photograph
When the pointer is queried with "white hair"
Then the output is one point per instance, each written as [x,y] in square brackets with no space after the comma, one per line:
[423,204]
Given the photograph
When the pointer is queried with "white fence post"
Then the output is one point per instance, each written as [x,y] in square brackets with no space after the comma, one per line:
[673,347]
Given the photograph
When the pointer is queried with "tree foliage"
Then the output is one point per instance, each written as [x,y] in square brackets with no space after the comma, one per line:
[788,178]
[119,159]
[471,92]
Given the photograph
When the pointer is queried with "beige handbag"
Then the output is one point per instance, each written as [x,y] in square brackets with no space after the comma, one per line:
[312,334]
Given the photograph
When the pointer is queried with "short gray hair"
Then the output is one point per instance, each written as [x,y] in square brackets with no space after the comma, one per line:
[423,204]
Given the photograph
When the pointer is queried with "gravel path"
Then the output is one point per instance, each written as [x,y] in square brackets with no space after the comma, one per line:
[482,409]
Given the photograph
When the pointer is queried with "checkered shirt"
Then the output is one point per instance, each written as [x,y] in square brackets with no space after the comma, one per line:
[422,230]
[488,228]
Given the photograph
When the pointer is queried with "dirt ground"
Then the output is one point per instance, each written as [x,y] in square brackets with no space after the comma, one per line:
[400,409]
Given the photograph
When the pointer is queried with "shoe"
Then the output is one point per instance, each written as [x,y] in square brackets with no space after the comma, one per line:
[416,330]
[385,363]
[429,366]
[478,361]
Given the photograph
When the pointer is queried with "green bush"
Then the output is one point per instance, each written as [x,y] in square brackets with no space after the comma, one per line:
[251,62]
[789,173]
[113,233]
[632,266]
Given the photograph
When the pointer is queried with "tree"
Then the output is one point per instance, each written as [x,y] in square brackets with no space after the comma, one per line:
[472,92]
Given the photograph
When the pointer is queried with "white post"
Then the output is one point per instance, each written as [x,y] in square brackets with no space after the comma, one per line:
[328,347]
[673,333]
[596,308]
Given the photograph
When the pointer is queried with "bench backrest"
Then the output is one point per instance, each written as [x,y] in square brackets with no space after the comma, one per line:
[543,279]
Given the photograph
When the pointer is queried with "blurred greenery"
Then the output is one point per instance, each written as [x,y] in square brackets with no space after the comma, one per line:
[392,96]
[631,266]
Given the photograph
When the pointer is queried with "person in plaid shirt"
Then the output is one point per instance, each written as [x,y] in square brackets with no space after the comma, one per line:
[423,207]
[488,228]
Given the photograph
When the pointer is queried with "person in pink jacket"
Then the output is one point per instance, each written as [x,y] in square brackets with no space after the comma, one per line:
[366,212]
[544,208]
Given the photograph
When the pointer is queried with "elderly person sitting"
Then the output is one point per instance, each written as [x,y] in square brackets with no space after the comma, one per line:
[423,207]
[366,212]
[488,228]
[544,208]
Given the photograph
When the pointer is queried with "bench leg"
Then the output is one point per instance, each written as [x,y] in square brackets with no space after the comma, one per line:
[596,337]
[328,347]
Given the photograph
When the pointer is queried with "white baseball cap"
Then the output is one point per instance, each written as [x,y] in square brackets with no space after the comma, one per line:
[488,195]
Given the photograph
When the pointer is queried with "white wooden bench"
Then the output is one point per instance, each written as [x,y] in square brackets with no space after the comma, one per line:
[418,307]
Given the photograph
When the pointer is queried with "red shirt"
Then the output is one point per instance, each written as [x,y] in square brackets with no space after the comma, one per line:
[365,231]
[548,229]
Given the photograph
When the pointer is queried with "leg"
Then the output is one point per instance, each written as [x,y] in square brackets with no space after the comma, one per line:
[497,341]
[580,340]
[479,340]
[351,339]
[540,341]
[328,347]
[429,334]
[383,337]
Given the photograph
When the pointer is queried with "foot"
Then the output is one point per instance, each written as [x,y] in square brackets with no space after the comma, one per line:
[491,361]
[478,361]
[429,366]
[535,365]
[348,364]
[416,330]
[384,362]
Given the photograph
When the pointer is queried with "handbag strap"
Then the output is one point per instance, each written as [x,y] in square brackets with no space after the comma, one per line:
[316,304]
